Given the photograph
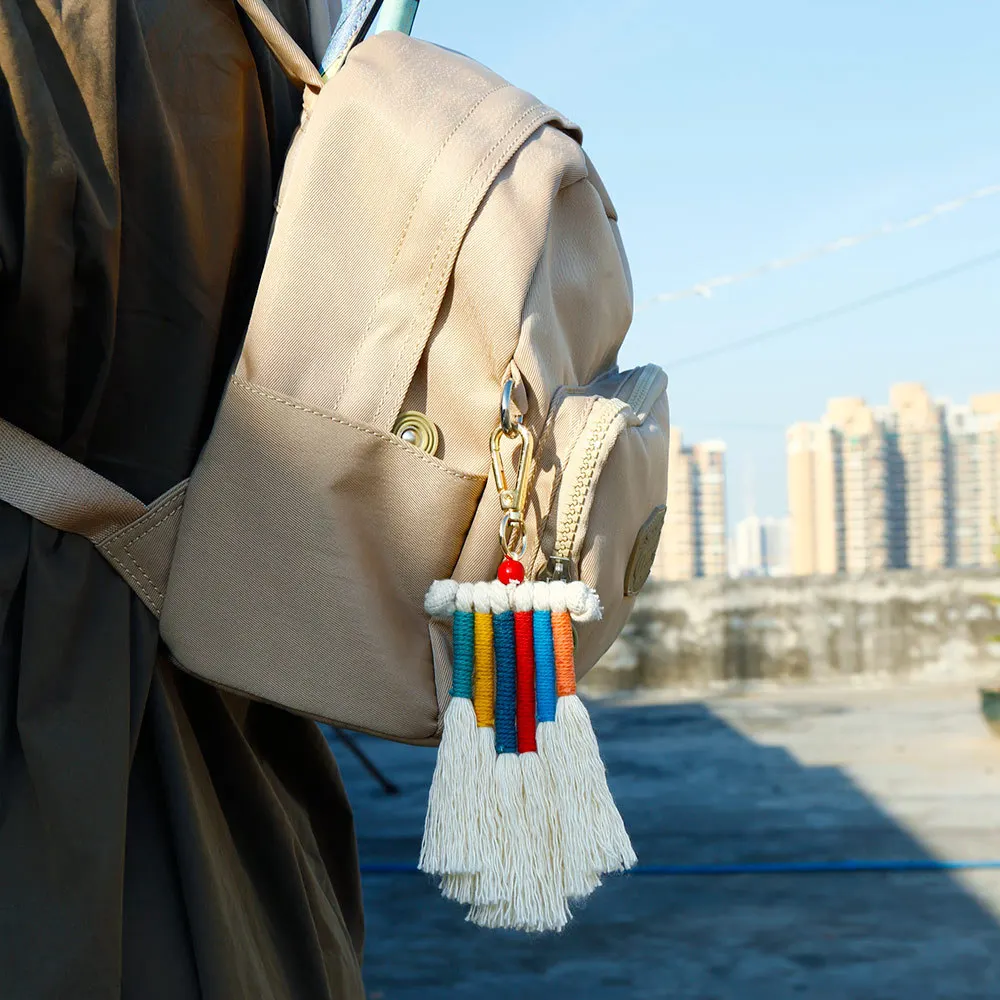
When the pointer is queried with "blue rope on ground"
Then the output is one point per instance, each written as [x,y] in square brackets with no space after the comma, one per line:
[764,868]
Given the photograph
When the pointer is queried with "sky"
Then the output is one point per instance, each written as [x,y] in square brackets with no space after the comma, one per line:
[730,134]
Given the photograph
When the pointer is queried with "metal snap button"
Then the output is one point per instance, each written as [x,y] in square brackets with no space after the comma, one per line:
[414,428]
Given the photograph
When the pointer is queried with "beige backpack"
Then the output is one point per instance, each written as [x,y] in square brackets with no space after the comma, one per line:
[441,238]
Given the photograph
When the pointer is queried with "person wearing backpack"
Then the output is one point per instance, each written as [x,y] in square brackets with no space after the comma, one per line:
[159,839]
[425,506]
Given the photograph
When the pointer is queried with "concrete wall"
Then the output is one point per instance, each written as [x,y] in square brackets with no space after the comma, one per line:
[711,633]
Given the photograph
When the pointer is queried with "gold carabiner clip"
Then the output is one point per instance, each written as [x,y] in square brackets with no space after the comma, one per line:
[513,497]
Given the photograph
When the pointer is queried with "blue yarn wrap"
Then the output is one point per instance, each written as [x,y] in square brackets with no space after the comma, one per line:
[506,666]
[545,667]
[463,640]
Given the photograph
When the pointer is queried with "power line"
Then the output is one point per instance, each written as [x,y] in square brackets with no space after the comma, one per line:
[704,289]
[738,426]
[838,311]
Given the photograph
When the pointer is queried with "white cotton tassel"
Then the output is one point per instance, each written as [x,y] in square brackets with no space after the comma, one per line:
[578,880]
[520,909]
[532,905]
[610,849]
[487,885]
[450,844]
[544,843]
[596,840]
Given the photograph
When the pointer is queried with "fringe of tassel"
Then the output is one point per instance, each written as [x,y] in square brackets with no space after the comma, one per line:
[520,820]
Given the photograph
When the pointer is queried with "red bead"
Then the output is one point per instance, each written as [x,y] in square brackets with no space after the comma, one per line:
[510,571]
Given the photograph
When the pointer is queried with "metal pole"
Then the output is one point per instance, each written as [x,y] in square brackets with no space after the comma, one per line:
[387,786]
[397,15]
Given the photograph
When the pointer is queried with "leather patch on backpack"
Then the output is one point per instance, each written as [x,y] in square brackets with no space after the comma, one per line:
[640,562]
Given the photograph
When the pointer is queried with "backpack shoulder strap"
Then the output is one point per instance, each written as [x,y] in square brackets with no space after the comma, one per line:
[299,68]
[55,489]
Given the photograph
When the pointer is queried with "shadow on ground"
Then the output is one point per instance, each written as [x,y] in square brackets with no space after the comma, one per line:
[693,789]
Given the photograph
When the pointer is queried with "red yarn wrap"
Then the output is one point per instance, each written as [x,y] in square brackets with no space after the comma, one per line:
[524,640]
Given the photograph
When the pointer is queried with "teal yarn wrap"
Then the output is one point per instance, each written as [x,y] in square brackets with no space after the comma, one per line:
[545,667]
[505,710]
[463,640]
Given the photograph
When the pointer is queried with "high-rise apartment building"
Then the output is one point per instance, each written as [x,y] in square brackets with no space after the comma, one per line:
[918,436]
[777,545]
[862,484]
[710,493]
[914,483]
[676,555]
[839,491]
[759,547]
[986,410]
[964,463]
[974,475]
[693,542]
[802,443]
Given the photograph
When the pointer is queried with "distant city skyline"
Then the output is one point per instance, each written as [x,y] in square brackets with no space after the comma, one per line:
[910,483]
[913,483]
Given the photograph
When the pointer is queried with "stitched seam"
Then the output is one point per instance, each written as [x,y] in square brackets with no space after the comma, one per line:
[166,517]
[135,562]
[406,228]
[138,583]
[387,438]
[145,576]
[116,533]
[543,114]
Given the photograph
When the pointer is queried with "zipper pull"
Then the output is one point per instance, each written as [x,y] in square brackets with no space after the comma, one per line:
[557,568]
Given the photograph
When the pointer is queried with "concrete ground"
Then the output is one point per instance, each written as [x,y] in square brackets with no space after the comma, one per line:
[807,774]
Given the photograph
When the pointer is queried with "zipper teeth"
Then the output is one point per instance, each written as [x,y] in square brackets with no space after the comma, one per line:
[642,386]
[569,523]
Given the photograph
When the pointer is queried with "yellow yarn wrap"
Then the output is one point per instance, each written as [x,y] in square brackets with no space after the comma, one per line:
[482,671]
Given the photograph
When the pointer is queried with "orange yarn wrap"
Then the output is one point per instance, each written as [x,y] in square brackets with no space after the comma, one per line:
[562,640]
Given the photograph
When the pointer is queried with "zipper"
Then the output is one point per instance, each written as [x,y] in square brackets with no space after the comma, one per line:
[569,520]
[644,381]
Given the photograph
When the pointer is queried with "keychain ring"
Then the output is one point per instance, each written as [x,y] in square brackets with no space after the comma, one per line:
[513,539]
[508,423]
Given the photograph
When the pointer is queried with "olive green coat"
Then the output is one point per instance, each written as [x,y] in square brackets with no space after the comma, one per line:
[158,839]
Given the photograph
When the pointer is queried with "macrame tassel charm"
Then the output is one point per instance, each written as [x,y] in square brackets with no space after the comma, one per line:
[521,849]
[519,818]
